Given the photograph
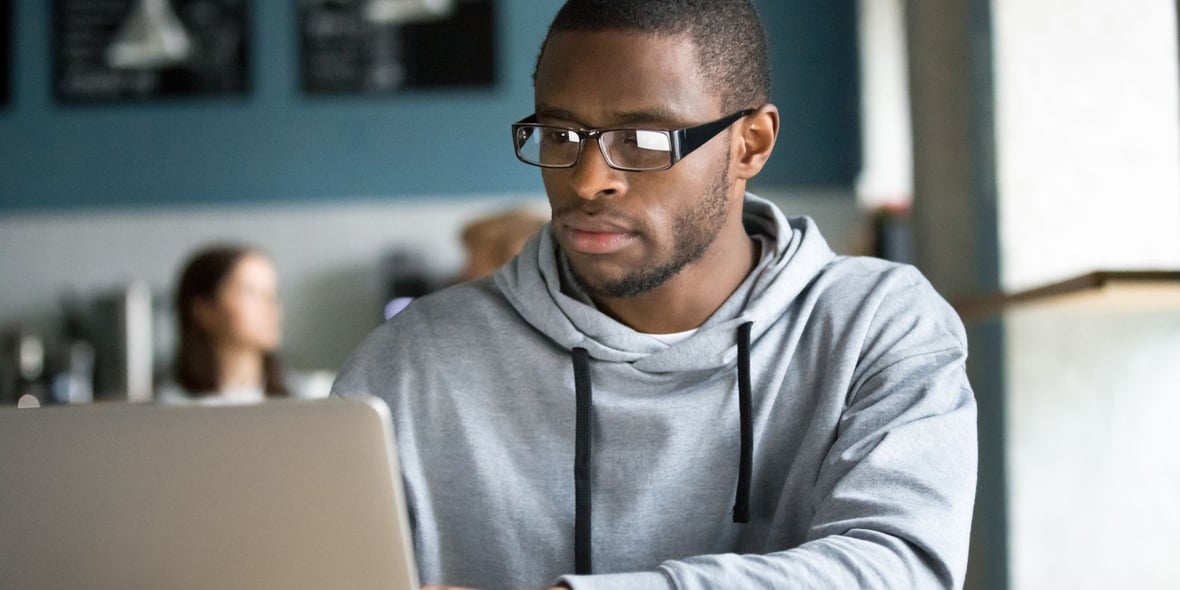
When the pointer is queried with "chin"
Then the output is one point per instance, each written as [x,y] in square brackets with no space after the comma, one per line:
[268,346]
[595,276]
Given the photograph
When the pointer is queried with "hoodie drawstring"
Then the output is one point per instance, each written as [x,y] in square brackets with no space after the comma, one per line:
[583,564]
[585,398]
[741,503]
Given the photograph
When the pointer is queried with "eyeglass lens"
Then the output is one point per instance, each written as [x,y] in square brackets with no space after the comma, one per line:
[628,148]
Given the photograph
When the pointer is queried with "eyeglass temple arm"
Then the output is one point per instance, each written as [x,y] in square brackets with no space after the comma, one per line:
[690,139]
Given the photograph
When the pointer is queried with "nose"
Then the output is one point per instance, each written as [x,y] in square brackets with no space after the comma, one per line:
[591,178]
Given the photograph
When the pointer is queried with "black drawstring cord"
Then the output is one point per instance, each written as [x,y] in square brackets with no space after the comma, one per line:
[741,503]
[582,557]
[583,562]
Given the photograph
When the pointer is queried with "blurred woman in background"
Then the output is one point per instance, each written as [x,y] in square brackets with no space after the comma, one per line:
[230,327]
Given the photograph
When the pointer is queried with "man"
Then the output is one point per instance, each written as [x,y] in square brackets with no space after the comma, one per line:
[673,385]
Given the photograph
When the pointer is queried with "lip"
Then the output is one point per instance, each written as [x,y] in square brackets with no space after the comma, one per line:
[597,237]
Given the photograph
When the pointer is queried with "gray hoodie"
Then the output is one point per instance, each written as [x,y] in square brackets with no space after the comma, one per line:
[857,469]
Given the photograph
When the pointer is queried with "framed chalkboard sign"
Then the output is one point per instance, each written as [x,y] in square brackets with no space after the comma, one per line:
[6,52]
[344,49]
[131,50]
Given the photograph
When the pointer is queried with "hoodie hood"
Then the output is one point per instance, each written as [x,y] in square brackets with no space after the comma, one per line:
[793,254]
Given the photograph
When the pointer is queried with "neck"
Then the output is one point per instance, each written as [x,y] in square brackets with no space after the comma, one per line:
[691,297]
[240,368]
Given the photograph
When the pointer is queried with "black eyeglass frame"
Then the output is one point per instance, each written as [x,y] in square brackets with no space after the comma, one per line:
[684,141]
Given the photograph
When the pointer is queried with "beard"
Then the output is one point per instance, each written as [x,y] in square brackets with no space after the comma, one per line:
[694,232]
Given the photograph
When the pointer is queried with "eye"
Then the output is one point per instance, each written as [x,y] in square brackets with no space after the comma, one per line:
[556,135]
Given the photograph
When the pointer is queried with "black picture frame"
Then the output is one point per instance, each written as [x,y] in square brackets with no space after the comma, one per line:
[341,53]
[6,51]
[218,30]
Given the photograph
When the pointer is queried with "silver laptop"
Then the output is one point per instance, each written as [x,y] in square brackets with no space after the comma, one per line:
[288,494]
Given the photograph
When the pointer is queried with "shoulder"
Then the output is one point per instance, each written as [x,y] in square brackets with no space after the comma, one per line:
[459,302]
[896,307]
[873,273]
[864,281]
[448,323]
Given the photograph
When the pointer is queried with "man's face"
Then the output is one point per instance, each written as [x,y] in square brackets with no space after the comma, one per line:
[626,233]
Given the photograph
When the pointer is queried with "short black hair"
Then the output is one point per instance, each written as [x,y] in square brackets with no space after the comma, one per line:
[728,35]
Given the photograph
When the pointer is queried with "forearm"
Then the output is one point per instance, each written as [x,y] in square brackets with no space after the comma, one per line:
[861,559]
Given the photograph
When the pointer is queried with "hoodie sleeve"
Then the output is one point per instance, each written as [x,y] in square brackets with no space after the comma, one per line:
[894,496]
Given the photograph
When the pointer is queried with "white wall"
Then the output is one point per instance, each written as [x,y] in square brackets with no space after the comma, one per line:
[1088,137]
[886,176]
[327,254]
[1094,484]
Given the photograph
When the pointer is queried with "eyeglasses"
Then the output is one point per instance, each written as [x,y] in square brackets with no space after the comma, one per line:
[631,150]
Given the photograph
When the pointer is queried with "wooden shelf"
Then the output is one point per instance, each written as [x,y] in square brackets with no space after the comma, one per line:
[1102,290]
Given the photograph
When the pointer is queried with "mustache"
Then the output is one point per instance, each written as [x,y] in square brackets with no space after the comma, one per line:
[597,210]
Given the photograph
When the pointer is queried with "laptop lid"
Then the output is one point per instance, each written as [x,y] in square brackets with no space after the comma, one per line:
[283,494]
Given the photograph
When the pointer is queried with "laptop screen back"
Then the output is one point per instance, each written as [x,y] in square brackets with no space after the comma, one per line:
[288,494]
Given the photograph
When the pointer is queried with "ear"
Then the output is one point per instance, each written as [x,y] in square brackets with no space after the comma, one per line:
[758,132]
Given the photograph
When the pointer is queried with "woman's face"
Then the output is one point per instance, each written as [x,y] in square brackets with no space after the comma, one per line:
[246,311]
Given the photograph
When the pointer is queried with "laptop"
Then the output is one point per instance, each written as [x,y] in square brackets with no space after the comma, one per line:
[285,494]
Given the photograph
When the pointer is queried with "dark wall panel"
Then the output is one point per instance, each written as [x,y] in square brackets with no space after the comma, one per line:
[277,143]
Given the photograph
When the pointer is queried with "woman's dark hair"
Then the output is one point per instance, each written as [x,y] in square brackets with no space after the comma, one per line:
[196,364]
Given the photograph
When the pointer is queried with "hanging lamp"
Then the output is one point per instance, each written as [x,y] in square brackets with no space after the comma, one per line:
[152,37]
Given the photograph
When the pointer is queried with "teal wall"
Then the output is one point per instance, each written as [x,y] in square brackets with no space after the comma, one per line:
[276,144]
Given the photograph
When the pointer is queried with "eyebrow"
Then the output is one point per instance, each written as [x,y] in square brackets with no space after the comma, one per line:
[654,116]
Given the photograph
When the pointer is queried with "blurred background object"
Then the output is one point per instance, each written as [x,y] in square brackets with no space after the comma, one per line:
[403,11]
[151,37]
[22,366]
[119,326]
[490,242]
[406,275]
[375,47]
[143,50]
[6,52]
[99,348]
